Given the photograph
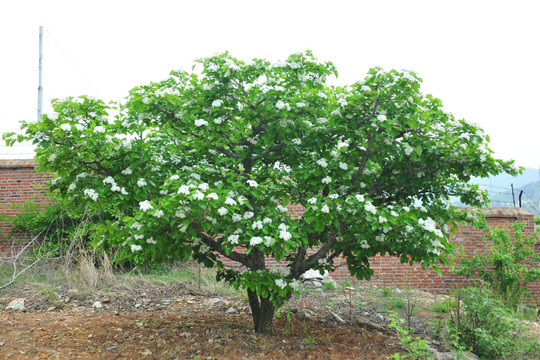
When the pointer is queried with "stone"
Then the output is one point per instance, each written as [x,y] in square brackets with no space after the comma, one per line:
[137,306]
[51,308]
[97,305]
[231,310]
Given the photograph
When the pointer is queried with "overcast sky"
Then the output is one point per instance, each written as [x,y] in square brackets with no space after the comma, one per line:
[480,57]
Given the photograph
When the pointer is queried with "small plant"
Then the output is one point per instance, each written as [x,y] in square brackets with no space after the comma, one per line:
[396,303]
[481,322]
[329,285]
[444,306]
[310,340]
[416,347]
[386,291]
[510,265]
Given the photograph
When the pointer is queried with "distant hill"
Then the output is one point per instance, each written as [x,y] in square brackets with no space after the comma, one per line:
[500,189]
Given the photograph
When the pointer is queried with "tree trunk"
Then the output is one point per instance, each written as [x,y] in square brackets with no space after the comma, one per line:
[262,311]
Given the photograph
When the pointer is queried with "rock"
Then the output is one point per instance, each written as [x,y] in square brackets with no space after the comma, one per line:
[143,295]
[16,304]
[314,275]
[231,310]
[469,356]
[51,308]
[316,283]
[106,300]
[97,305]
[137,306]
[337,317]
[215,301]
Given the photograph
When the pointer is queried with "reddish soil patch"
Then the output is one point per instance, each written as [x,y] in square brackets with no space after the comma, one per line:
[178,333]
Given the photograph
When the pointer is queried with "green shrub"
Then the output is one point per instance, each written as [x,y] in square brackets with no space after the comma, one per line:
[482,323]
[510,265]
[56,226]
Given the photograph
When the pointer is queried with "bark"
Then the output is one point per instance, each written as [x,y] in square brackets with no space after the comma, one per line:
[262,311]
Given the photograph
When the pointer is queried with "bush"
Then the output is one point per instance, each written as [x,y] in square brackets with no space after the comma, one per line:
[482,323]
[510,265]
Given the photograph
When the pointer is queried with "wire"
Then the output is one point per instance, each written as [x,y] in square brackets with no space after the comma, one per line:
[72,62]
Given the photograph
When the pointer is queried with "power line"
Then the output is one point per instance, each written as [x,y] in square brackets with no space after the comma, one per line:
[72,62]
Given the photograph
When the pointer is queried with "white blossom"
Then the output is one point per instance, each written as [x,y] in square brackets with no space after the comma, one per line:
[230,201]
[370,208]
[145,205]
[248,215]
[198,195]
[252,183]
[217,103]
[184,189]
[53,116]
[127,171]
[204,248]
[135,247]
[312,200]
[322,162]
[256,240]
[141,182]
[296,141]
[174,177]
[91,193]
[280,105]
[326,180]
[236,217]
[267,221]
[257,225]
[222,211]
[212,196]
[201,122]
[364,244]
[151,240]
[233,239]
[65,127]
[343,166]
[158,213]
[280,283]
[325,209]
[79,127]
[365,88]
[51,157]
[99,129]
[359,197]
[381,117]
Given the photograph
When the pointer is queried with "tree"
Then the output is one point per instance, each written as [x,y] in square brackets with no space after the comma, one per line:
[204,165]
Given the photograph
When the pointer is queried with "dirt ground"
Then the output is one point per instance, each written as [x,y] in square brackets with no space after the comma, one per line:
[176,322]
[173,322]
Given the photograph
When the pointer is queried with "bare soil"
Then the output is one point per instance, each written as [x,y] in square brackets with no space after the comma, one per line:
[175,321]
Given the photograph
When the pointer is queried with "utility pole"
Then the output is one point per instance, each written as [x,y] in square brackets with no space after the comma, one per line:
[513,197]
[40,87]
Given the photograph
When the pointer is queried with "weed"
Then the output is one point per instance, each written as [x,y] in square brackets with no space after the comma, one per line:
[416,348]
[444,306]
[329,285]
[310,340]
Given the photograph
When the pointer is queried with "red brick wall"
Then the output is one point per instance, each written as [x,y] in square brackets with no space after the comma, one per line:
[19,182]
[390,272]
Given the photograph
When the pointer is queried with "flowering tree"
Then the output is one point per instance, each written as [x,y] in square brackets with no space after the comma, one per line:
[204,165]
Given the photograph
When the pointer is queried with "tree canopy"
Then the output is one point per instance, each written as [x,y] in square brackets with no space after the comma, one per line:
[204,164]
